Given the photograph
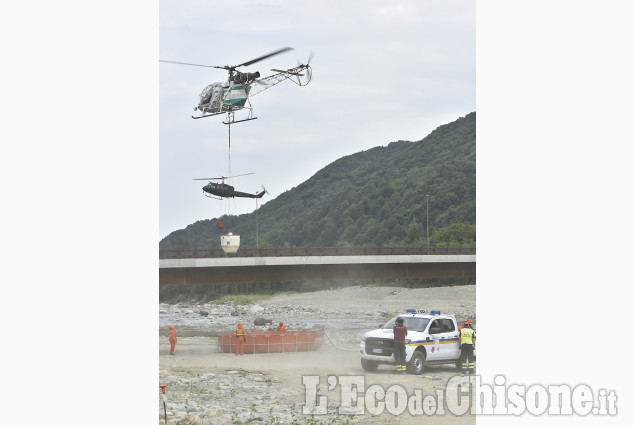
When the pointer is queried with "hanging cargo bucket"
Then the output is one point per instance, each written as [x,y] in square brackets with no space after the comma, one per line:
[230,243]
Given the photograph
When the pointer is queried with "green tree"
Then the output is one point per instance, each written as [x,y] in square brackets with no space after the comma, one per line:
[414,235]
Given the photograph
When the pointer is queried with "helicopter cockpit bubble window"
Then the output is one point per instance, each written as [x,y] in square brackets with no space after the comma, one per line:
[206,94]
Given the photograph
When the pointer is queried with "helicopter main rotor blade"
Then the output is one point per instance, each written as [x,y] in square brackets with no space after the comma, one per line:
[233,68]
[223,177]
[238,175]
[277,52]
[185,63]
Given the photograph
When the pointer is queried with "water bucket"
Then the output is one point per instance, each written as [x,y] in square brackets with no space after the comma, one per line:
[230,243]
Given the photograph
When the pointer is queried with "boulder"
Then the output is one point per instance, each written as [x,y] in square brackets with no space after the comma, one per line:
[262,320]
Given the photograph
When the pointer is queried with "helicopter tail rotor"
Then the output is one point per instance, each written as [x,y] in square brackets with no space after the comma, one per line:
[308,61]
[302,72]
[306,69]
[264,190]
[261,194]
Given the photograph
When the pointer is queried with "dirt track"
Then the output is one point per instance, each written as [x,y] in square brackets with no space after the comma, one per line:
[206,386]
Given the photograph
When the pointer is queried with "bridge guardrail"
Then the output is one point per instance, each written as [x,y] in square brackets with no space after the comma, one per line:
[317,251]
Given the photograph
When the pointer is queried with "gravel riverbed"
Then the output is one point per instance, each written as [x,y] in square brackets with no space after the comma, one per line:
[206,386]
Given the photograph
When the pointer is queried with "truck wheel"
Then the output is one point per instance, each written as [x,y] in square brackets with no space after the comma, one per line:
[369,365]
[417,363]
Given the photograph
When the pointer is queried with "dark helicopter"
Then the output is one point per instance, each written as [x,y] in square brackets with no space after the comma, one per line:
[223,190]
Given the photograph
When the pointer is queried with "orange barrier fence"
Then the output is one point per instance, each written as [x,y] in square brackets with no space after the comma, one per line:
[273,342]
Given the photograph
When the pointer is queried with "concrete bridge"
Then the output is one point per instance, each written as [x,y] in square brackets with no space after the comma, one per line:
[180,271]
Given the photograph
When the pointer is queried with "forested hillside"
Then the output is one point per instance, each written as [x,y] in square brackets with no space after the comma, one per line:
[371,198]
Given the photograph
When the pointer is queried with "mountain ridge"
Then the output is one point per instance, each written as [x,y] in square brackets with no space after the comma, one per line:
[374,197]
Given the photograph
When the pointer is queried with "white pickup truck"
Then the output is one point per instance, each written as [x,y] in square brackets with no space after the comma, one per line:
[433,338]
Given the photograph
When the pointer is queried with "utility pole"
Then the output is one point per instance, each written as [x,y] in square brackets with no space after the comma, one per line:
[427,227]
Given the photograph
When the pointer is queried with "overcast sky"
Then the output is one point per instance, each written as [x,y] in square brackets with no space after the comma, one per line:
[382,72]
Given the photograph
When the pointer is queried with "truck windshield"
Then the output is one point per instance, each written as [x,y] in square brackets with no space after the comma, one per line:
[416,324]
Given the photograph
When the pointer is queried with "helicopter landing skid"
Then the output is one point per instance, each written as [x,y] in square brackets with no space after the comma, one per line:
[213,197]
[208,115]
[234,122]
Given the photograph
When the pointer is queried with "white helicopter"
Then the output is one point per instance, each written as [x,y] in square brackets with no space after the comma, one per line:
[234,94]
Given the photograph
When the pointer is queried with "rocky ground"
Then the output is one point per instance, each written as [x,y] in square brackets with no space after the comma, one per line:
[206,386]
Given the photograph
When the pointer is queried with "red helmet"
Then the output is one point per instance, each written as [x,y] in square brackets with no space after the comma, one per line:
[468,322]
[280,323]
[170,326]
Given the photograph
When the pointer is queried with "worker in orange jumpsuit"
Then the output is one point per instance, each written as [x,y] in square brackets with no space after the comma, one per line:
[172,339]
[281,328]
[240,339]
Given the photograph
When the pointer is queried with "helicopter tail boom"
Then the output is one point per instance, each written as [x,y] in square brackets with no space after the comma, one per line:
[292,74]
[247,195]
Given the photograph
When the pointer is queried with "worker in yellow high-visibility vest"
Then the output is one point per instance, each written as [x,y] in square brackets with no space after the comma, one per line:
[467,341]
